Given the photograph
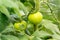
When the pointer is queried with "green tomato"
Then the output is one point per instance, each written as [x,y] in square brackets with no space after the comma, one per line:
[20,25]
[35,18]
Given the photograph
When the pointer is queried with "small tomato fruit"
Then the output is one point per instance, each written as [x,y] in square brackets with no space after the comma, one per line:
[20,25]
[35,18]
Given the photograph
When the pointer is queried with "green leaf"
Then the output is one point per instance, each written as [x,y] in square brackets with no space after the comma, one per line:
[56,2]
[23,37]
[58,14]
[9,4]
[56,36]
[22,7]
[28,6]
[49,25]
[52,39]
[8,29]
[9,37]
[36,38]
[0,2]
[41,33]
[4,10]
[55,6]
[4,21]
[0,38]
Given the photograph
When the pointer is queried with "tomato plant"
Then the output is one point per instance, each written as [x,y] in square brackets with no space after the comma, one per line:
[29,19]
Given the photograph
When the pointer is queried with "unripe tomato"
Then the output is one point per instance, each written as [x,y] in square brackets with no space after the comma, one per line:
[20,25]
[35,18]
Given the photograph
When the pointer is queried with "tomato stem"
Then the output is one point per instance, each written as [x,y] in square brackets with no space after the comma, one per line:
[27,32]
[35,27]
[37,5]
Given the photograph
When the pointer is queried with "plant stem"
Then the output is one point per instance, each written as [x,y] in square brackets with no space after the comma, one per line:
[37,5]
[35,27]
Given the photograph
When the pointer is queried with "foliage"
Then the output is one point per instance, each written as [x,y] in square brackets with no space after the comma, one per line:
[15,11]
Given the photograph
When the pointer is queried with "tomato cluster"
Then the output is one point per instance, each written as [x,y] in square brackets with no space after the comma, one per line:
[34,18]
